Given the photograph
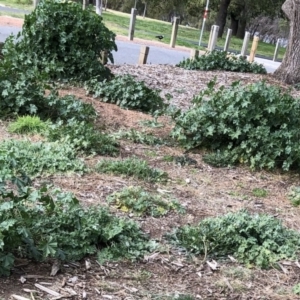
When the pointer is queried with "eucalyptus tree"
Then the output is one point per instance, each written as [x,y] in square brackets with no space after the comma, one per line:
[289,70]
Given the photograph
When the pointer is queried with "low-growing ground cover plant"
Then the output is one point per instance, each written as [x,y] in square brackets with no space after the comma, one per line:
[139,137]
[132,167]
[127,92]
[220,60]
[39,157]
[43,223]
[83,137]
[261,240]
[294,195]
[255,124]
[143,203]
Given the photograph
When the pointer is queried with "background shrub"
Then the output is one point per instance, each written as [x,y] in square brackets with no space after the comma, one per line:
[220,60]
[256,124]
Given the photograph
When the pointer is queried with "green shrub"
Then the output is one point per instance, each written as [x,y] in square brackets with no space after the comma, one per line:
[256,124]
[294,195]
[83,137]
[28,124]
[22,92]
[65,41]
[142,203]
[252,239]
[38,158]
[132,167]
[37,224]
[220,60]
[126,92]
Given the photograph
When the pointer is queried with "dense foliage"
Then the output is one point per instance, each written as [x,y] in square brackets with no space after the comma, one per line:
[66,41]
[83,137]
[256,124]
[38,158]
[49,223]
[252,239]
[220,60]
[22,92]
[126,92]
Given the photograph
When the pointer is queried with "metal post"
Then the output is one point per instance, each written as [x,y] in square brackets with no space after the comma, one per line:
[205,15]
[276,50]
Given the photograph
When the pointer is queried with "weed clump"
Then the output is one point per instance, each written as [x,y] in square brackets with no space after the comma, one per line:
[132,167]
[252,239]
[142,203]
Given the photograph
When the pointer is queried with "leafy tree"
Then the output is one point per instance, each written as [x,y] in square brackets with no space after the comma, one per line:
[242,11]
[289,70]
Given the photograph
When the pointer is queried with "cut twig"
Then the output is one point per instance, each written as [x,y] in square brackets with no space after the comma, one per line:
[45,289]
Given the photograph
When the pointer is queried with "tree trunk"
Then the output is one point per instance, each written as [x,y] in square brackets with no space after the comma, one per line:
[221,16]
[241,29]
[234,24]
[289,70]
[105,7]
[145,9]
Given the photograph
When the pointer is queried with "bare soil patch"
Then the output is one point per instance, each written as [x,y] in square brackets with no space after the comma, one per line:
[203,190]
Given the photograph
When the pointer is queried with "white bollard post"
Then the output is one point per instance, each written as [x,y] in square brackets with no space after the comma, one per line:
[213,38]
[227,41]
[132,24]
[35,3]
[276,50]
[245,44]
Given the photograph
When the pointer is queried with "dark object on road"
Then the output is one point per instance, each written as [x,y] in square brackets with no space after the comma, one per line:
[160,37]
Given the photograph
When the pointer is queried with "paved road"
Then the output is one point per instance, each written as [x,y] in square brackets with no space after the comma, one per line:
[14,10]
